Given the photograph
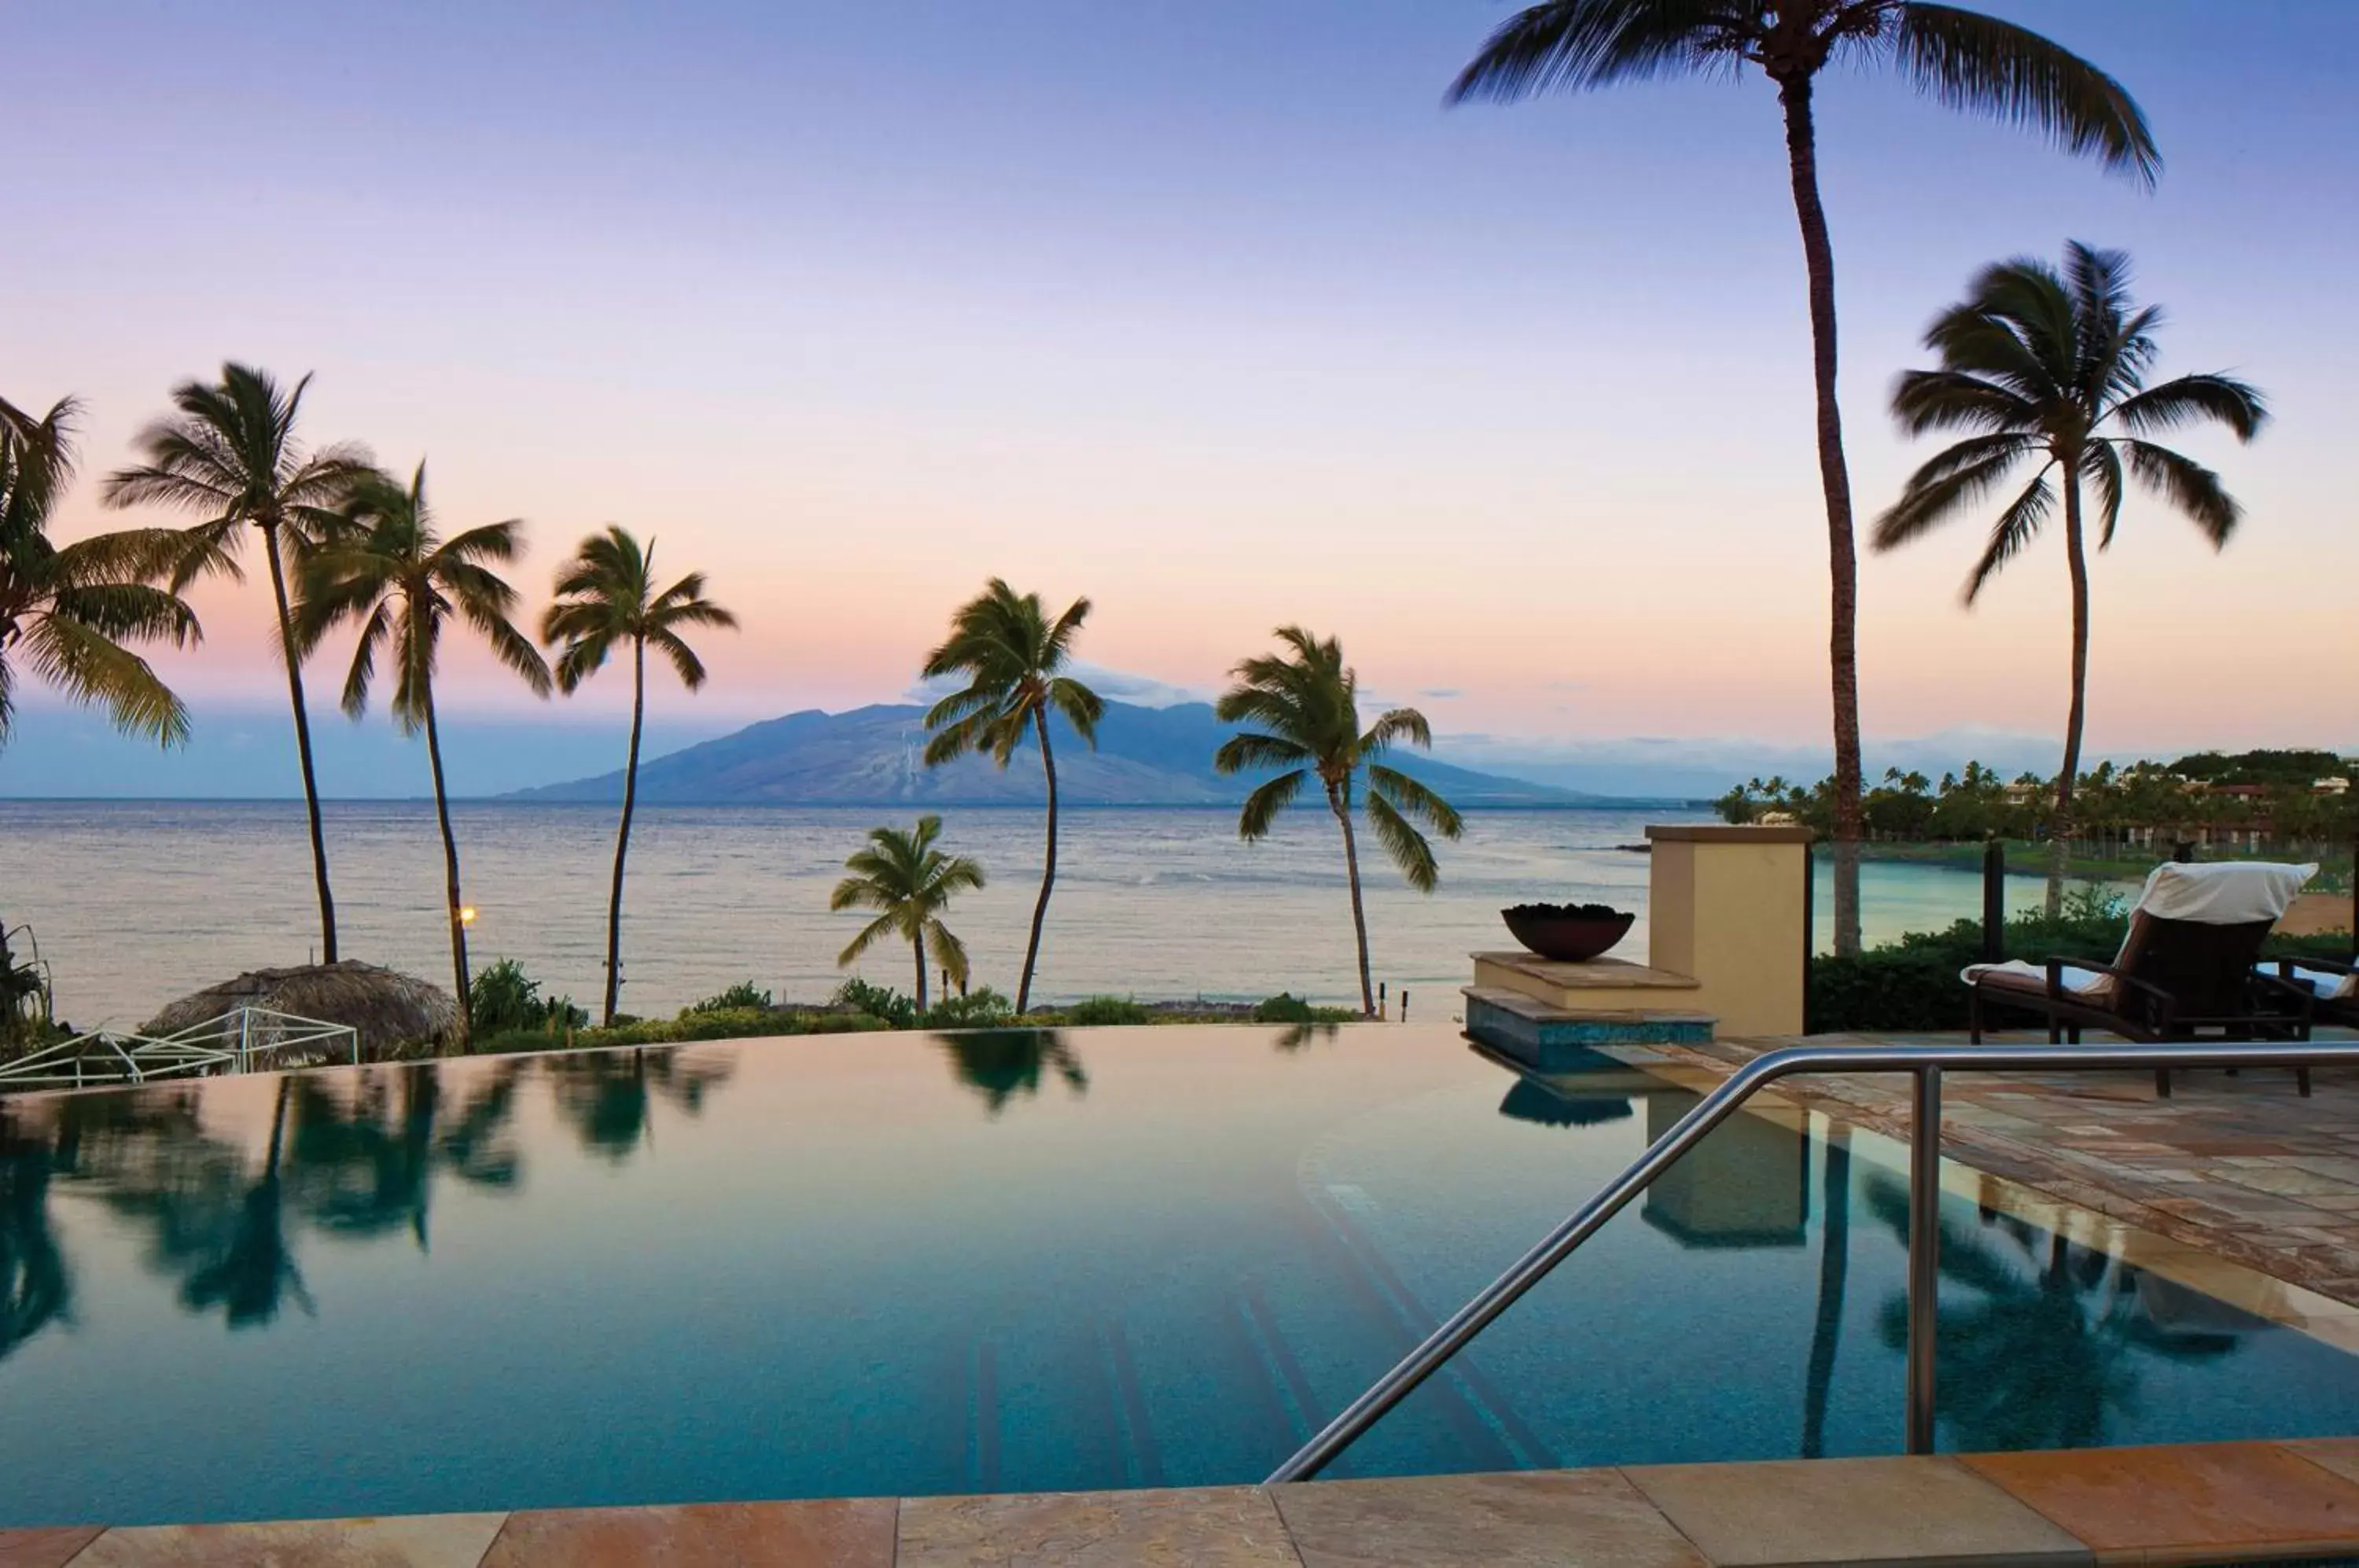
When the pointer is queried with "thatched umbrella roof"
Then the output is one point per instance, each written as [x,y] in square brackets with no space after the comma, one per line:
[396,1014]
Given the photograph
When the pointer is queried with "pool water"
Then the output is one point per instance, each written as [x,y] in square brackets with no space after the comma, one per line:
[905,1264]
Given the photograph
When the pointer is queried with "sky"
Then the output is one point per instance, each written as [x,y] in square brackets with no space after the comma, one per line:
[1211,312]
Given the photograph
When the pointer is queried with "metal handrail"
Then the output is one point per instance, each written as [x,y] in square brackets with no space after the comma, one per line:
[1926,1062]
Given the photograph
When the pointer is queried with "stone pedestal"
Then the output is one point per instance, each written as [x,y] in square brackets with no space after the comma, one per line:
[1727,946]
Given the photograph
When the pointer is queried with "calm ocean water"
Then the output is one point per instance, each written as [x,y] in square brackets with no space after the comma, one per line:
[136,903]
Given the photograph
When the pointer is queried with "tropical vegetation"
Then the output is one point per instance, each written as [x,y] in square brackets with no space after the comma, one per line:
[606,597]
[1305,704]
[2049,369]
[67,611]
[908,882]
[1011,656]
[384,568]
[230,453]
[1962,58]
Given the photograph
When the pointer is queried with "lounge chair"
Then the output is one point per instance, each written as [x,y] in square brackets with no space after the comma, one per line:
[2187,969]
[2333,986]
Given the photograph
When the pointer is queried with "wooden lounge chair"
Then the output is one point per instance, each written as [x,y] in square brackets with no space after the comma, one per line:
[2333,986]
[2188,969]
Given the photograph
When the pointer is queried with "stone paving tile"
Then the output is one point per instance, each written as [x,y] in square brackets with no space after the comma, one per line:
[2194,1503]
[423,1541]
[1566,1518]
[830,1533]
[2242,1167]
[49,1548]
[1218,1527]
[1922,1512]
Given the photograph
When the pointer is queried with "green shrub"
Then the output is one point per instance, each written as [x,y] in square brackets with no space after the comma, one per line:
[981,1008]
[877,1002]
[1913,983]
[737,1024]
[502,999]
[1284,1008]
[1099,1010]
[743,997]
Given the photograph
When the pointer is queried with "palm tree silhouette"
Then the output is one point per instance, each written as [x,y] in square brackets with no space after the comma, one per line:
[1001,1063]
[253,1273]
[2044,1357]
[230,454]
[389,571]
[1962,57]
[607,595]
[35,1286]
[909,882]
[1011,654]
[2051,367]
[1306,703]
[66,610]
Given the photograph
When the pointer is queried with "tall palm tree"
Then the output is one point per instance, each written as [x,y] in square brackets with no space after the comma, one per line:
[230,455]
[908,882]
[1306,703]
[606,594]
[1962,57]
[2051,367]
[66,610]
[389,571]
[1011,653]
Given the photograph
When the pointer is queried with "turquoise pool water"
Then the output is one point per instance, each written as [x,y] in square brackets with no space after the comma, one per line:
[913,1264]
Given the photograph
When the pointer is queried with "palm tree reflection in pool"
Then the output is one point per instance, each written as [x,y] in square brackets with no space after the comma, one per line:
[36,1289]
[607,1095]
[1001,1063]
[2044,1357]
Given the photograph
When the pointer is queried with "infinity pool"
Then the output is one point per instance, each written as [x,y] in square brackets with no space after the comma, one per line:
[901,1264]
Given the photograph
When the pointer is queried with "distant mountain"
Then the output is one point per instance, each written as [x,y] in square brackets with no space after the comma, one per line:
[1145,757]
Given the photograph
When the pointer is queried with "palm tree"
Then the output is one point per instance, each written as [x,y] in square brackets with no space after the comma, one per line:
[606,594]
[67,610]
[390,571]
[230,455]
[1010,653]
[908,882]
[1965,59]
[1308,705]
[2052,367]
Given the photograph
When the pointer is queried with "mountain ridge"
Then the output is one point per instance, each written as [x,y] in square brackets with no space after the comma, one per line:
[875,756]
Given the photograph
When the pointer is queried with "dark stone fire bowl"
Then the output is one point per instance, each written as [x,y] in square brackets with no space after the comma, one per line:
[1567,933]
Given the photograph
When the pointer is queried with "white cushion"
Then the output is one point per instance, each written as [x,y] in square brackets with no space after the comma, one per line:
[2079,982]
[2223,892]
[2323,983]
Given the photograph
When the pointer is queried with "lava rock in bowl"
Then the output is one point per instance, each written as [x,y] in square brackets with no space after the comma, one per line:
[1568,933]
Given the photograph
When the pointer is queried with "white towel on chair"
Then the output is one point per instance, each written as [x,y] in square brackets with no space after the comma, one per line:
[2083,982]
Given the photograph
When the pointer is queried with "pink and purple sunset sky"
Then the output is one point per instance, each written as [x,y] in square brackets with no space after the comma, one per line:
[1209,312]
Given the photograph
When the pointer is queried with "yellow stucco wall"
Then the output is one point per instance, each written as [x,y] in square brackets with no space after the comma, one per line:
[1727,907]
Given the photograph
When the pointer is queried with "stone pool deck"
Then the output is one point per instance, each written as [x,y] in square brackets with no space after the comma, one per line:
[2205,1503]
[2229,1178]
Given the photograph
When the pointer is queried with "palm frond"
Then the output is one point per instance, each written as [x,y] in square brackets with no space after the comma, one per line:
[1399,724]
[1081,707]
[949,950]
[1927,400]
[92,670]
[1950,481]
[1252,749]
[2103,466]
[2193,400]
[1405,846]
[1413,798]
[870,935]
[1573,45]
[2186,484]
[1261,807]
[1986,65]
[2016,528]
[684,661]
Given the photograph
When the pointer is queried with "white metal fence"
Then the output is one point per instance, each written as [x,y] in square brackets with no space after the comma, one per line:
[244,1039]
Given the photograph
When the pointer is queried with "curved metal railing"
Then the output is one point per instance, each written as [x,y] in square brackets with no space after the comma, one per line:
[1926,1063]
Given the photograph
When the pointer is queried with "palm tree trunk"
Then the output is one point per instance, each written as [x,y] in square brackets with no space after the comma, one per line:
[302,742]
[918,945]
[2060,828]
[1834,478]
[1834,1264]
[1341,802]
[1048,870]
[623,839]
[449,874]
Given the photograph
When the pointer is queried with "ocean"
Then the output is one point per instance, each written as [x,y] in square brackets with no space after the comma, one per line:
[134,903]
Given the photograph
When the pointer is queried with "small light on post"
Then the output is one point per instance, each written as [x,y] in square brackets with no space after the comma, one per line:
[466,914]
